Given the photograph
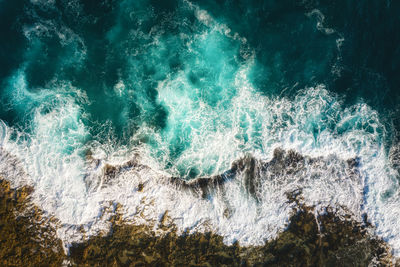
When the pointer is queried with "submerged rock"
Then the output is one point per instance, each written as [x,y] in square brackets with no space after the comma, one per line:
[284,167]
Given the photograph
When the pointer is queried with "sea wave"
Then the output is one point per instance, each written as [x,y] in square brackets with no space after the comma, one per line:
[200,140]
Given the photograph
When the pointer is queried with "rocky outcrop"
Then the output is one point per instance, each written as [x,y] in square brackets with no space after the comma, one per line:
[285,166]
[309,240]
[27,238]
[312,237]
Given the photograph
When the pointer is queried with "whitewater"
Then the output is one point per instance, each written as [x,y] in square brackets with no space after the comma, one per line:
[202,115]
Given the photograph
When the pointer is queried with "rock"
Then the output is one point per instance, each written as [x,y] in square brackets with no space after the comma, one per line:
[302,244]
[140,187]
[332,242]
[26,239]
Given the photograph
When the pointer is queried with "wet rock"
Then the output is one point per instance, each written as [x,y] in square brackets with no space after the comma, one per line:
[26,238]
[284,167]
[325,240]
[201,186]
[247,167]
[227,213]
[309,240]
[140,187]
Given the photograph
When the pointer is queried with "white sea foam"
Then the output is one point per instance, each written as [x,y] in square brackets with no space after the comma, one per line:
[76,189]
[3,132]
[51,157]
[320,17]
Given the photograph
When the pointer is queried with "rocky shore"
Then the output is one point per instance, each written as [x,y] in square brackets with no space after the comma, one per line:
[28,239]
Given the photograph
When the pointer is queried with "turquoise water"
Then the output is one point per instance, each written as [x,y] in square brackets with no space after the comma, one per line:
[184,88]
[170,69]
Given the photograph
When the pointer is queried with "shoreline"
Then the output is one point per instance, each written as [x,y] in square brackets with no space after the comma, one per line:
[28,238]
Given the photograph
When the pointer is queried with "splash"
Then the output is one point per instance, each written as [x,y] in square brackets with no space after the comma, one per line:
[120,117]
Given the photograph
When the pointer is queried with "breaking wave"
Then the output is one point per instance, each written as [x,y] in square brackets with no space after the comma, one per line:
[181,126]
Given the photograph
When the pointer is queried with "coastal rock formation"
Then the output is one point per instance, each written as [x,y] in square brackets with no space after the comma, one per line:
[284,167]
[27,237]
[309,240]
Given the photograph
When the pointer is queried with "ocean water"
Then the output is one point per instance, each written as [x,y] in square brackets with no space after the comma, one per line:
[185,88]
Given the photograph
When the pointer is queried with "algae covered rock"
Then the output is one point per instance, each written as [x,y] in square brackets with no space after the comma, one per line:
[26,237]
[309,240]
